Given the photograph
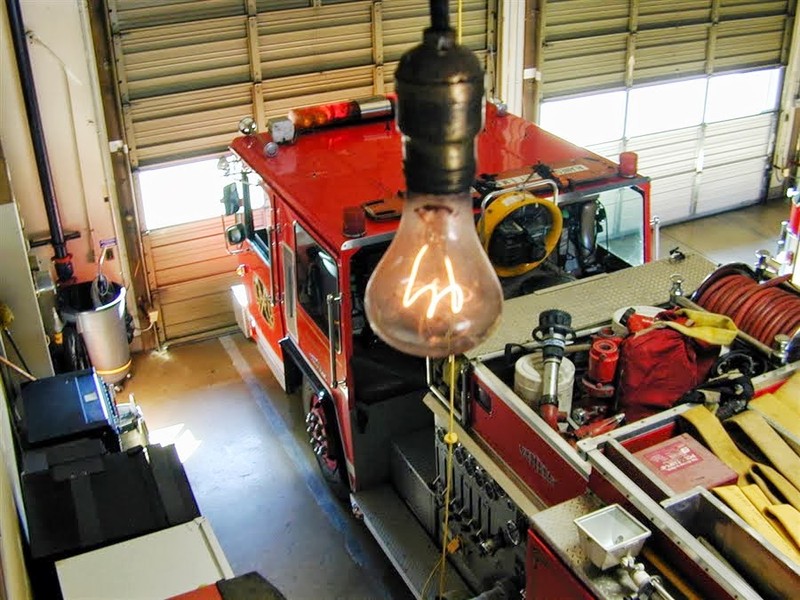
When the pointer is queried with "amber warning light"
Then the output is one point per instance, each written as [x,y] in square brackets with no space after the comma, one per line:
[339,113]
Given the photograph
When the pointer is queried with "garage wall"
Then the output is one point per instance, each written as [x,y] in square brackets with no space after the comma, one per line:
[189,71]
[65,75]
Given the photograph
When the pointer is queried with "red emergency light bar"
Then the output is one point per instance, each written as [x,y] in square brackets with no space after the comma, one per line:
[339,113]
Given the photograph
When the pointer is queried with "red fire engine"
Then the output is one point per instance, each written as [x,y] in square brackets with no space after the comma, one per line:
[533,487]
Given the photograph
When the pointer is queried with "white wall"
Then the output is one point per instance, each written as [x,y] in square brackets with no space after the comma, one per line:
[65,90]
[14,575]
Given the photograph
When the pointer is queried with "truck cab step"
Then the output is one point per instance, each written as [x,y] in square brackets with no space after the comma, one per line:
[405,542]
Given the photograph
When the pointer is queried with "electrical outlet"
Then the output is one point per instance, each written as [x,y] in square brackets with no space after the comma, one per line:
[152,315]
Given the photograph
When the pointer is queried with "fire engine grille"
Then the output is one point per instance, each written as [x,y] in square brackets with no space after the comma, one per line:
[593,301]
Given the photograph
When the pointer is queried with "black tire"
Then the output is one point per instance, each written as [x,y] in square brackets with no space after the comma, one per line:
[332,462]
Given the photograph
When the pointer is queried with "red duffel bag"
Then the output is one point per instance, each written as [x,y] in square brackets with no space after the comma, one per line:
[660,364]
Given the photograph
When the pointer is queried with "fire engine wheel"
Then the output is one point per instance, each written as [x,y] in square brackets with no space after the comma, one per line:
[325,441]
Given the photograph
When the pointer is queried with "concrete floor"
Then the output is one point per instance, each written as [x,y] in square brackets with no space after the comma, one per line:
[729,237]
[244,445]
[244,448]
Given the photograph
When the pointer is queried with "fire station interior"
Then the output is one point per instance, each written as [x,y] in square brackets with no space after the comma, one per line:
[446,299]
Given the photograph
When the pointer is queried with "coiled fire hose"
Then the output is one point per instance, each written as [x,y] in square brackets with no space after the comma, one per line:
[762,310]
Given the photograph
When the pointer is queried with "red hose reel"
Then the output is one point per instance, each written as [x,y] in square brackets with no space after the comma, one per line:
[762,310]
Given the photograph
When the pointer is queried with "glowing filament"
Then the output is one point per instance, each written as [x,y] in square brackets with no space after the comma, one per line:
[452,289]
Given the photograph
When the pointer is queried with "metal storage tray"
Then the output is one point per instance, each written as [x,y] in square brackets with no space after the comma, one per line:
[708,519]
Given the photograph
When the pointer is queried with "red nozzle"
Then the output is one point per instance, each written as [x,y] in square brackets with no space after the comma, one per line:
[549,412]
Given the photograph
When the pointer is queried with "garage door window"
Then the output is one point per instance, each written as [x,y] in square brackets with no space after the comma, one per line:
[186,192]
[609,116]
[705,142]
[664,107]
[578,119]
[742,94]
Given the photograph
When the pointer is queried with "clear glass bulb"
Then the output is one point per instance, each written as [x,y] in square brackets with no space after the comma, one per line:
[434,292]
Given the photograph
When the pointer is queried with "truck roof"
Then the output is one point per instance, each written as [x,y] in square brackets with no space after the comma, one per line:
[326,170]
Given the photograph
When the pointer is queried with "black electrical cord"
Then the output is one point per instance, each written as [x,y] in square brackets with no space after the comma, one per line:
[16,349]
[440,15]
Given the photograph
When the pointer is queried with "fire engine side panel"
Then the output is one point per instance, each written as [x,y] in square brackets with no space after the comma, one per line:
[546,575]
[261,308]
[312,342]
[528,454]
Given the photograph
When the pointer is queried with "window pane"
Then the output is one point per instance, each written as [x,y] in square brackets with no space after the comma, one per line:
[623,227]
[181,193]
[187,192]
[317,276]
[586,120]
[667,106]
[742,94]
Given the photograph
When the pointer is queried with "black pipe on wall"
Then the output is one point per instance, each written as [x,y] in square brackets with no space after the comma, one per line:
[62,259]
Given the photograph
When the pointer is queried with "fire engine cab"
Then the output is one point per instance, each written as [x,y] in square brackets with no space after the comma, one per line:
[472,484]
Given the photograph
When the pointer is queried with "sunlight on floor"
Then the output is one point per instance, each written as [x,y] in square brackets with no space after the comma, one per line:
[185,442]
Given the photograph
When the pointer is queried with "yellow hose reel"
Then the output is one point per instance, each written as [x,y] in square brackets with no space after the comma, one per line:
[519,231]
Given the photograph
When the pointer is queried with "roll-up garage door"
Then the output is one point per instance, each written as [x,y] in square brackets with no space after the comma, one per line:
[692,86]
[189,70]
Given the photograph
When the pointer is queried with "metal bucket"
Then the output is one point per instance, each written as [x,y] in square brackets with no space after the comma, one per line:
[102,328]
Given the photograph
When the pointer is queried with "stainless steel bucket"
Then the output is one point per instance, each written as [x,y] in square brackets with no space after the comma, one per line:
[103,331]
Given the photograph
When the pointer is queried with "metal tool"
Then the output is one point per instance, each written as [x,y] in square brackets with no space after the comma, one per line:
[555,328]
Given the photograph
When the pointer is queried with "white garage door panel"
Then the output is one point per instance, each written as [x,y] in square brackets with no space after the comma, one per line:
[590,45]
[284,93]
[654,13]
[582,65]
[610,150]
[581,18]
[188,56]
[749,43]
[278,5]
[728,186]
[672,197]
[166,51]
[738,140]
[668,153]
[315,39]
[130,14]
[686,45]
[737,9]
[403,20]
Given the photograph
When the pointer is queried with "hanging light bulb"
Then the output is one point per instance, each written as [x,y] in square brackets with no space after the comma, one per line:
[434,292]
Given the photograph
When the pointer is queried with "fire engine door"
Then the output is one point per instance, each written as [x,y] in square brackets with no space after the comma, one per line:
[260,261]
[318,307]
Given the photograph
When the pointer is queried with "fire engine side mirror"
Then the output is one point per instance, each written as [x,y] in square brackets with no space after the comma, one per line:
[230,199]
[235,234]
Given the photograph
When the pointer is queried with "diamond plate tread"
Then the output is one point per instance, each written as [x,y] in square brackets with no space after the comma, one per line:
[556,525]
[405,542]
[593,301]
